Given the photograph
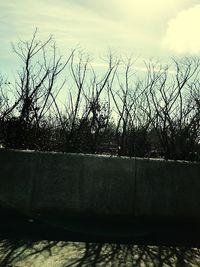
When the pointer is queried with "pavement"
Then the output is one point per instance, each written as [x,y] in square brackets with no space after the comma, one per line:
[36,242]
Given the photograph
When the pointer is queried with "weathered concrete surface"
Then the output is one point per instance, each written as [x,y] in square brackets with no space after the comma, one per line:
[167,188]
[84,184]
[73,184]
[17,172]
[67,183]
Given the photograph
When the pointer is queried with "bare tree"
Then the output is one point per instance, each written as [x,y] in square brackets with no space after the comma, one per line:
[171,105]
[61,103]
[36,84]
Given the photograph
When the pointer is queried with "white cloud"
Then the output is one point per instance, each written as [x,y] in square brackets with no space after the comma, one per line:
[127,26]
[182,35]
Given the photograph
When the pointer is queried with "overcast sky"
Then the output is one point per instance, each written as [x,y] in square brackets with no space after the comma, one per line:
[146,28]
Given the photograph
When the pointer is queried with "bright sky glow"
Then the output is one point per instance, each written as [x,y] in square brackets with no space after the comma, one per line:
[182,35]
[146,28]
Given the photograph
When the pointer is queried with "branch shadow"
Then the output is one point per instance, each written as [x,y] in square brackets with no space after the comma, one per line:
[133,255]
[14,251]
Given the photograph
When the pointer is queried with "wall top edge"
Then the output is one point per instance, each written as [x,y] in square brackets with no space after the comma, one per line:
[104,156]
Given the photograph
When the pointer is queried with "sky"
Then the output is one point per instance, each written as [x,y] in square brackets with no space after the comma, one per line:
[144,28]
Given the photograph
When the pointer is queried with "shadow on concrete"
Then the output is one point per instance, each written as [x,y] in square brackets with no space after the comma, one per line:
[27,240]
[12,250]
[133,255]
[15,251]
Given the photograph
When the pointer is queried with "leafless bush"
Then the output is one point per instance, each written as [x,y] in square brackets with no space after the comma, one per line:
[115,112]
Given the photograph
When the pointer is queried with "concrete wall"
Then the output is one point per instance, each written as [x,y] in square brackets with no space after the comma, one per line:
[74,184]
